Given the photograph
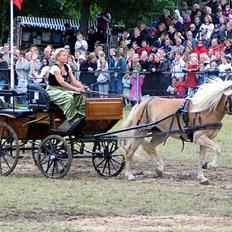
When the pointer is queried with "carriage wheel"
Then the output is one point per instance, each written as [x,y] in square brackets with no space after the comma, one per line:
[9,149]
[105,161]
[54,157]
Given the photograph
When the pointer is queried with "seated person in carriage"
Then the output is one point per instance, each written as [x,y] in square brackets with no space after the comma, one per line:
[64,90]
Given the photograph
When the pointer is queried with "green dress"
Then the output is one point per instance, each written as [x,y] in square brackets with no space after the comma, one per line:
[70,102]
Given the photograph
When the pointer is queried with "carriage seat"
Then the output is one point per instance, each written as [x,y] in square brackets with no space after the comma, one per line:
[39,99]
[16,112]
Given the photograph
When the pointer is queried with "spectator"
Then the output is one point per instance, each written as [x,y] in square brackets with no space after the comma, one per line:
[126,37]
[103,24]
[229,30]
[135,46]
[144,47]
[214,5]
[126,89]
[178,45]
[195,8]
[68,37]
[200,48]
[194,30]
[207,26]
[103,77]
[35,66]
[191,76]
[118,66]
[227,10]
[81,44]
[189,36]
[197,22]
[98,50]
[171,33]
[22,71]
[143,32]
[213,71]
[178,21]
[186,13]
[44,73]
[87,68]
[47,55]
[144,60]
[228,47]
[171,90]
[4,77]
[166,17]
[180,87]
[215,46]
[92,39]
[72,63]
[219,29]
[177,66]
[6,53]
[225,67]
[136,36]
[136,79]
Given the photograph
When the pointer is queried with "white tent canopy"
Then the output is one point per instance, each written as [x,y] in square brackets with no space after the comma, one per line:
[50,23]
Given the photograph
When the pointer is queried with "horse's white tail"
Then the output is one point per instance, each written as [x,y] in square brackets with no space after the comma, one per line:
[129,120]
[126,124]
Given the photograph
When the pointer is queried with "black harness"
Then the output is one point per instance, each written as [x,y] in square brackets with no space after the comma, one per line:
[186,132]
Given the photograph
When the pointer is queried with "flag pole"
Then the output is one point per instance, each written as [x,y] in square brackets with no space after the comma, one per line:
[11,44]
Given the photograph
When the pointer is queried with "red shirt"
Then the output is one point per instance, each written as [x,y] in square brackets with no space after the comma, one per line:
[191,78]
[217,48]
[199,50]
[180,88]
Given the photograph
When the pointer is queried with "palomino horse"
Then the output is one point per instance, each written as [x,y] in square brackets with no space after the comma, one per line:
[205,112]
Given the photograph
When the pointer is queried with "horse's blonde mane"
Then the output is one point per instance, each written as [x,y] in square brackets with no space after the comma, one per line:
[209,94]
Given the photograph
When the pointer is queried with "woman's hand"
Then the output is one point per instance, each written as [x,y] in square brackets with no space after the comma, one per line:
[81,89]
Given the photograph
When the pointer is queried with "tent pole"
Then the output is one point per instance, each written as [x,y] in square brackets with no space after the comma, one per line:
[11,44]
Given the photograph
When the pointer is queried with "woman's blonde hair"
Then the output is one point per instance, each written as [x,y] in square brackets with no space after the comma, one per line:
[57,53]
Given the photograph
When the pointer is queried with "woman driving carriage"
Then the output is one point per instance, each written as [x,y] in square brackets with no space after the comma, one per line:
[63,89]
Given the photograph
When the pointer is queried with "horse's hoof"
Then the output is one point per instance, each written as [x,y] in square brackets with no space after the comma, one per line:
[131,177]
[204,182]
[159,172]
[205,165]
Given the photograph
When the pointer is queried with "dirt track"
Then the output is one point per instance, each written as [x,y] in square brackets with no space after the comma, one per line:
[175,173]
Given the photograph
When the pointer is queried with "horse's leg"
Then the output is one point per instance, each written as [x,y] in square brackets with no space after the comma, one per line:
[129,152]
[150,148]
[203,140]
[200,174]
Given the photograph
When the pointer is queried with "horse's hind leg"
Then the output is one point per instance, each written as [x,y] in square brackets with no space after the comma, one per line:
[129,152]
[150,148]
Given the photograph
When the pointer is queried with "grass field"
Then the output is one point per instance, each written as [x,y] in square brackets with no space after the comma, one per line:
[83,201]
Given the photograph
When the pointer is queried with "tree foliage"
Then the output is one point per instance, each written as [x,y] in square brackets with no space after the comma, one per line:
[128,12]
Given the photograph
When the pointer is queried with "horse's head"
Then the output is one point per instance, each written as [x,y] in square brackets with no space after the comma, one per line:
[228,102]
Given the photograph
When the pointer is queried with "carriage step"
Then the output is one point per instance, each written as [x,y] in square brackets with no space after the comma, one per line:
[67,126]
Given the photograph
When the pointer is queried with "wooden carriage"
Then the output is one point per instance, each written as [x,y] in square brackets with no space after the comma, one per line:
[53,146]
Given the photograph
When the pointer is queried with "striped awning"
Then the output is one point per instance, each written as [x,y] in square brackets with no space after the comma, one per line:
[50,23]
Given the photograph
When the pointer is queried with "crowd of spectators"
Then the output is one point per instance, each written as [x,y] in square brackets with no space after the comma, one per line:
[173,56]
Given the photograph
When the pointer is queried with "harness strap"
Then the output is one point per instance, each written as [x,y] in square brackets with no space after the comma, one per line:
[145,108]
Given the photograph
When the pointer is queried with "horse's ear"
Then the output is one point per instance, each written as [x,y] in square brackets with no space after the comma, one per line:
[228,92]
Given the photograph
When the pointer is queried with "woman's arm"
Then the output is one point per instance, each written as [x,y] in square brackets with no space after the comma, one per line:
[75,82]
[65,84]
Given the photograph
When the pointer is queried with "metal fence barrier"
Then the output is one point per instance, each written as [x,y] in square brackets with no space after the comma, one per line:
[131,85]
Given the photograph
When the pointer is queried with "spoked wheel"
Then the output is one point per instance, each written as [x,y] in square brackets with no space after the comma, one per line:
[9,149]
[105,159]
[54,157]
